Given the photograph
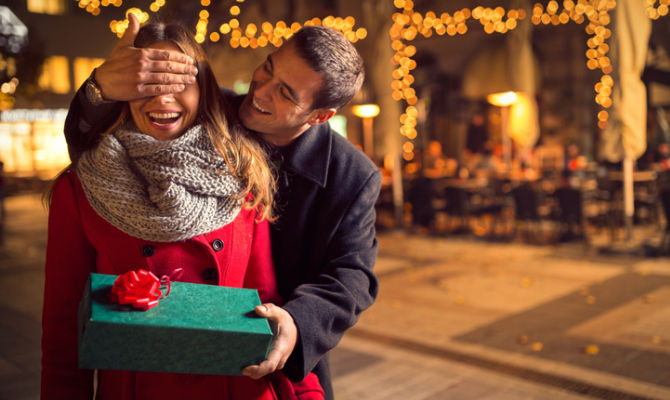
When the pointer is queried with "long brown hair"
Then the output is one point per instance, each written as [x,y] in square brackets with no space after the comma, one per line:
[240,148]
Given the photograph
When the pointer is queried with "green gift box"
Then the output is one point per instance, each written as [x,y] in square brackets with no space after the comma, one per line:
[196,329]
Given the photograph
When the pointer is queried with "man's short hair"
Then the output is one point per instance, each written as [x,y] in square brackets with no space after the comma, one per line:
[330,54]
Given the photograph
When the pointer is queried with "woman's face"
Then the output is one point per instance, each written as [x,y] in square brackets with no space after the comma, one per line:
[166,116]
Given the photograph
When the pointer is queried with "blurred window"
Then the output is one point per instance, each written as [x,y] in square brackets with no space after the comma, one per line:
[55,75]
[53,7]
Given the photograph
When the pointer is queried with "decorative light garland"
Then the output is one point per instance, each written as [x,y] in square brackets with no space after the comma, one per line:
[408,24]
[119,27]
[275,34]
[203,22]
[251,36]
[655,12]
[93,6]
[597,14]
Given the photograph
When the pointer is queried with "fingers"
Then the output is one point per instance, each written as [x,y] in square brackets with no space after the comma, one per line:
[275,361]
[169,55]
[265,368]
[156,83]
[155,90]
[285,340]
[154,64]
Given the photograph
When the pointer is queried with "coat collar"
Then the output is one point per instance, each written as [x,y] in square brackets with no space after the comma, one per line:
[309,154]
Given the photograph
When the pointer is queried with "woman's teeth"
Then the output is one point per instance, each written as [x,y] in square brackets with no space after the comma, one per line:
[163,118]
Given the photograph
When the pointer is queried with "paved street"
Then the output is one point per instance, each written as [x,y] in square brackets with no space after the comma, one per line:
[456,318]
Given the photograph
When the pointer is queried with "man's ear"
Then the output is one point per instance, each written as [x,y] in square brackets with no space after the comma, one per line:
[320,116]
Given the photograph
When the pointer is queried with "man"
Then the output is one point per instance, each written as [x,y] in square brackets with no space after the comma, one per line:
[324,244]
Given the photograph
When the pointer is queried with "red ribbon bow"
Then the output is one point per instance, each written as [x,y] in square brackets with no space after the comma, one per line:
[141,288]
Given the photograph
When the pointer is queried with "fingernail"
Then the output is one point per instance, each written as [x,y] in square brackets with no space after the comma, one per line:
[264,308]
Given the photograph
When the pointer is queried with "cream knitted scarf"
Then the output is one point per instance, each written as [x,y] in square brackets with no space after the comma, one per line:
[158,190]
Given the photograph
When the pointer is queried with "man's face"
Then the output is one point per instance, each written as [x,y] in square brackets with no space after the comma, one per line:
[278,105]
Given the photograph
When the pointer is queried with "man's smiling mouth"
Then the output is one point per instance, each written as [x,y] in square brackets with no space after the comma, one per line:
[259,108]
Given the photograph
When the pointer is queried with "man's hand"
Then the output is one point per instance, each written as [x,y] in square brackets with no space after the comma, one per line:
[285,340]
[131,73]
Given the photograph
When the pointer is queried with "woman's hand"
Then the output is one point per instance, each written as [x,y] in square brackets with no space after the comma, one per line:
[284,341]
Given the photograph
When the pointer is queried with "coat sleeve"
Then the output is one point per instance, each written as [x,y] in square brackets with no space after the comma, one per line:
[85,122]
[260,270]
[323,310]
[69,260]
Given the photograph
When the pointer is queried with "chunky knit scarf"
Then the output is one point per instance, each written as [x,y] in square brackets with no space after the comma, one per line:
[159,190]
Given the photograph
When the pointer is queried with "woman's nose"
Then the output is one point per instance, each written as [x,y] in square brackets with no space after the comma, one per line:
[165,98]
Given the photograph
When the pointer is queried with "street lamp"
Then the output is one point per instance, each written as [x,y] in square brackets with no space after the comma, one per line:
[367,112]
[504,100]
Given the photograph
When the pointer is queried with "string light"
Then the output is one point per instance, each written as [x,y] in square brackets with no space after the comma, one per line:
[93,6]
[597,14]
[119,27]
[252,35]
[247,36]
[203,22]
[655,12]
[409,24]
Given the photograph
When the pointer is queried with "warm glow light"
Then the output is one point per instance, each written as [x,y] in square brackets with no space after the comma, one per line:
[365,110]
[502,99]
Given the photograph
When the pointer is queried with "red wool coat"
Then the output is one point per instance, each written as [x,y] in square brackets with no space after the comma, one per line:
[80,242]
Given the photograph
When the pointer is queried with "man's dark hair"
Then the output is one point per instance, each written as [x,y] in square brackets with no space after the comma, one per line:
[330,54]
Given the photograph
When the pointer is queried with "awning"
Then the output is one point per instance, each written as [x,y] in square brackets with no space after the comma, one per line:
[626,132]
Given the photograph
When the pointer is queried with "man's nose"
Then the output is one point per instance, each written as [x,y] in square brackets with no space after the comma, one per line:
[262,87]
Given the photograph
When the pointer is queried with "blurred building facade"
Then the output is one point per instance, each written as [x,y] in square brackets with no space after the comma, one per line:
[65,42]
[45,73]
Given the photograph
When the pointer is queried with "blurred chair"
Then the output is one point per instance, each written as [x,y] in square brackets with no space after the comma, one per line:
[420,196]
[527,213]
[487,206]
[385,209]
[570,215]
[456,208]
[664,196]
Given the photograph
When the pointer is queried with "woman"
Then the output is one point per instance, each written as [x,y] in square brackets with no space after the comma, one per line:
[173,184]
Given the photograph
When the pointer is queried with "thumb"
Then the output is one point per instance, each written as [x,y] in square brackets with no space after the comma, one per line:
[128,38]
[264,310]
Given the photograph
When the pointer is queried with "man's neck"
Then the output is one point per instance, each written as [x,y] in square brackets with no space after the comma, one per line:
[281,141]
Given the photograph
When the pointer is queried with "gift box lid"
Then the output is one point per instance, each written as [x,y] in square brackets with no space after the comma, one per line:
[189,305]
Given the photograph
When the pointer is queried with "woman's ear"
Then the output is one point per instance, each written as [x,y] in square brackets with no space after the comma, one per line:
[320,116]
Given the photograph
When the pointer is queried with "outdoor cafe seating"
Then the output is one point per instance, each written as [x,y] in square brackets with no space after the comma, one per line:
[587,209]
